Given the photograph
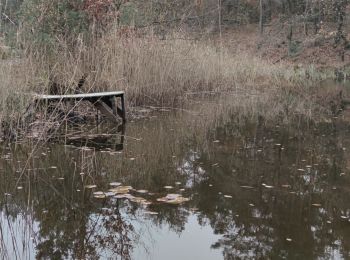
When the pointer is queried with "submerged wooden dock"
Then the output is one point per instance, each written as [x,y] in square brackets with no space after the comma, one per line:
[106,102]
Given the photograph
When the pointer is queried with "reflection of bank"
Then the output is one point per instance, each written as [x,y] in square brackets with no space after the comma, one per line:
[100,141]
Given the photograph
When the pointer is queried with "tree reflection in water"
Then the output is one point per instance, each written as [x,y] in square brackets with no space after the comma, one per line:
[286,194]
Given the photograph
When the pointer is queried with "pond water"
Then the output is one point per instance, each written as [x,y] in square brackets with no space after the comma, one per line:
[257,191]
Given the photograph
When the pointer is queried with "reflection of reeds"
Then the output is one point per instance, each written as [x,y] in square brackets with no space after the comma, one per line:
[17,235]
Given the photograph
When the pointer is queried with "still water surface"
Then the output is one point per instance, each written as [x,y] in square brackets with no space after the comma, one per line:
[258,191]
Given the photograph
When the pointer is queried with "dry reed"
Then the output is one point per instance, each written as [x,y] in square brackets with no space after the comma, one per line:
[150,70]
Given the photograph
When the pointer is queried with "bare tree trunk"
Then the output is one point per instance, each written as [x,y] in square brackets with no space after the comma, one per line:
[306,17]
[261,23]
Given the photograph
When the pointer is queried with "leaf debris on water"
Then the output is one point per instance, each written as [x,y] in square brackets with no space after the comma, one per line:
[114,184]
[121,189]
[142,191]
[140,200]
[151,213]
[91,186]
[286,186]
[267,186]
[247,187]
[99,195]
[124,196]
[173,199]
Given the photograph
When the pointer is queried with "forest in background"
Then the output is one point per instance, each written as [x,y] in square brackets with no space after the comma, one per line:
[298,25]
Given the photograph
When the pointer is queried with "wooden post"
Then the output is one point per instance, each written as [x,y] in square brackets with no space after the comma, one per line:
[123,108]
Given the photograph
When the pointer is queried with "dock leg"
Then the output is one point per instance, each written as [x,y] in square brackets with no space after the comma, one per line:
[114,106]
[123,108]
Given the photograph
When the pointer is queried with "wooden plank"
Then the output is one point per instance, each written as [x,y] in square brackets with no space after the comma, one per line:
[80,96]
[105,109]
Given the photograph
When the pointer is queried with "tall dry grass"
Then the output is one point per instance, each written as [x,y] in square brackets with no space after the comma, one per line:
[158,71]
[150,70]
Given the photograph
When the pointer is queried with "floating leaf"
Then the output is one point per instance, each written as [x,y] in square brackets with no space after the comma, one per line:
[247,187]
[99,195]
[115,184]
[109,194]
[124,196]
[142,191]
[90,186]
[121,189]
[267,186]
[140,200]
[151,213]
[173,199]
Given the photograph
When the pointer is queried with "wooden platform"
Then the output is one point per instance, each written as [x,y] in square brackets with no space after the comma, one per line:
[103,101]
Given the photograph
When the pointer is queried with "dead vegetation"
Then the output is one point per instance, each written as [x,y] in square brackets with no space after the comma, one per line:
[152,71]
